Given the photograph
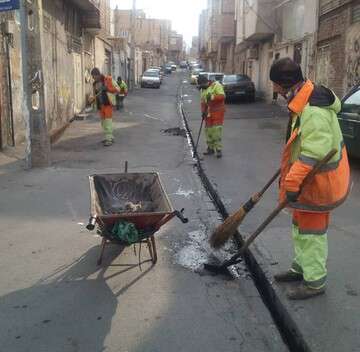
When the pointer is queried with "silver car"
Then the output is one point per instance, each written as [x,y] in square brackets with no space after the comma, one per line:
[151,78]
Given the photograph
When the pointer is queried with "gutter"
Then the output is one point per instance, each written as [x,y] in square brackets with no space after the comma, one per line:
[282,318]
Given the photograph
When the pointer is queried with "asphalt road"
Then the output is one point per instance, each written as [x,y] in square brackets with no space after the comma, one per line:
[253,140]
[53,296]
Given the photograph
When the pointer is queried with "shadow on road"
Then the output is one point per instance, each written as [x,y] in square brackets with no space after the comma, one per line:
[72,307]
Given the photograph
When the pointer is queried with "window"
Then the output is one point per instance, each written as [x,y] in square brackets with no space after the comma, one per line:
[352,103]
[235,78]
[355,13]
[72,21]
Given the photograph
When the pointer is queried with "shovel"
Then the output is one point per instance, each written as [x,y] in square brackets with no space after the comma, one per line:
[222,269]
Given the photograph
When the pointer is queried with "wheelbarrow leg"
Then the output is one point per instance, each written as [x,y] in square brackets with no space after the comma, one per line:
[150,249]
[153,245]
[103,245]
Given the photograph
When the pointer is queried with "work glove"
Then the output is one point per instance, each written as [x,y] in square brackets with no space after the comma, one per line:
[292,197]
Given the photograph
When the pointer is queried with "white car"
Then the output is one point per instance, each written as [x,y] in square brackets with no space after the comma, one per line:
[151,78]
[157,69]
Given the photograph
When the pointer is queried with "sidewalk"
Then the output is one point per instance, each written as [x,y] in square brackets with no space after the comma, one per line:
[253,139]
[53,296]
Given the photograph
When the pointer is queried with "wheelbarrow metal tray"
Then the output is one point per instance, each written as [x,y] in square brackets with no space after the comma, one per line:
[111,192]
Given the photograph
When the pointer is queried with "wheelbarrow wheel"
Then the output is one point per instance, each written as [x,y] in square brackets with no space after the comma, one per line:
[152,249]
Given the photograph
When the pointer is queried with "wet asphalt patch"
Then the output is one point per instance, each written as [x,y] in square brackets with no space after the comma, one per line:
[175,131]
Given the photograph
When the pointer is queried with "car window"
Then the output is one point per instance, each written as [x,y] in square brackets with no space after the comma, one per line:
[151,74]
[235,78]
[215,77]
[352,103]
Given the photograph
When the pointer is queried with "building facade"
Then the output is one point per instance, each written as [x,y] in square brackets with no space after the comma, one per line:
[176,47]
[217,35]
[338,45]
[71,48]
[269,30]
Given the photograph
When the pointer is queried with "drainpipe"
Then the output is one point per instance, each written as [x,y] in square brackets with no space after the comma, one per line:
[7,48]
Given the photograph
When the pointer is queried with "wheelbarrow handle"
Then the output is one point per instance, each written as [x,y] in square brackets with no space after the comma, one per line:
[91,225]
[180,215]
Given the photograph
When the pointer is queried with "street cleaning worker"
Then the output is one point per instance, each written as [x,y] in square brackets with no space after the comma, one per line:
[105,89]
[123,93]
[213,111]
[313,131]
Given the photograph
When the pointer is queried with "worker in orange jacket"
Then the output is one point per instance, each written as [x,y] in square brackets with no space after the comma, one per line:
[313,131]
[105,90]
[213,111]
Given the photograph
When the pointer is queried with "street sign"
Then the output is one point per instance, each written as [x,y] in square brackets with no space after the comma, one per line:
[7,5]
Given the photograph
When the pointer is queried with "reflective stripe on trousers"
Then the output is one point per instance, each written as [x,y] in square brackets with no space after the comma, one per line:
[309,232]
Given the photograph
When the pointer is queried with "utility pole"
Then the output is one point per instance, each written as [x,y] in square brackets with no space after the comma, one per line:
[132,54]
[38,141]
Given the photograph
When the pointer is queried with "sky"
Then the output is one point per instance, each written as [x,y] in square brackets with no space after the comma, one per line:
[184,14]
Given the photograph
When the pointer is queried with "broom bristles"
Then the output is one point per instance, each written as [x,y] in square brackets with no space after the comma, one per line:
[227,229]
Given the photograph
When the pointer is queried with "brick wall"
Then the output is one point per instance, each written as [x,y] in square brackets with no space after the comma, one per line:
[331,69]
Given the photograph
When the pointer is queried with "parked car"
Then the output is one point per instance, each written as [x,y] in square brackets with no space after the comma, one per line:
[202,73]
[215,76]
[183,64]
[194,75]
[193,65]
[238,86]
[151,78]
[157,69]
[173,67]
[349,119]
[167,69]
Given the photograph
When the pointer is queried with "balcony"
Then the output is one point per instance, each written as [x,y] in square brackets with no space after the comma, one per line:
[90,14]
[87,5]
[259,20]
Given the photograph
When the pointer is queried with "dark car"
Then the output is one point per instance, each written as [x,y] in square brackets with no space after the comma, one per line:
[349,119]
[167,69]
[238,86]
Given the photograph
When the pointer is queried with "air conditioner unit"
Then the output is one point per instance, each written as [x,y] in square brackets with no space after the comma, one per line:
[253,53]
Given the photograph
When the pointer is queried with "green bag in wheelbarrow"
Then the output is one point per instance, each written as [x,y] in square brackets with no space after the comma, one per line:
[126,232]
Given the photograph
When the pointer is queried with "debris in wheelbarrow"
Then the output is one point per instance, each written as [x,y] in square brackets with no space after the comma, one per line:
[136,198]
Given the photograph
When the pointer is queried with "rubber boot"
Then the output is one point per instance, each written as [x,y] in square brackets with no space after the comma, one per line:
[304,292]
[288,276]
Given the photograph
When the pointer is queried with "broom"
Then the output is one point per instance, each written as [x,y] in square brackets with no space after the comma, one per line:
[223,232]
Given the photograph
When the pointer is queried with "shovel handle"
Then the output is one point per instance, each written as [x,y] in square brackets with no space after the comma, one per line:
[279,208]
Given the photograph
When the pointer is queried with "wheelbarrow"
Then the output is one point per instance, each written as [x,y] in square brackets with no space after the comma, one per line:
[110,195]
